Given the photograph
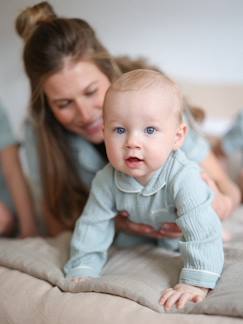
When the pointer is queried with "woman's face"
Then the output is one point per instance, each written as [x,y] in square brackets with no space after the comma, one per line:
[75,95]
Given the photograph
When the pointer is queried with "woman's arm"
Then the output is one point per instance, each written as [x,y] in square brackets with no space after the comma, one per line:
[19,189]
[227,193]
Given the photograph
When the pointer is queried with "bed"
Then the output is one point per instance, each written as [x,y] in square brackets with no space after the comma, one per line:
[33,289]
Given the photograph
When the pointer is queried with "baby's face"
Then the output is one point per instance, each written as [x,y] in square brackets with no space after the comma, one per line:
[141,129]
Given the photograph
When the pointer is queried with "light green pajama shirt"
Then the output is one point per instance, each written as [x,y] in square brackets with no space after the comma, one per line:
[176,193]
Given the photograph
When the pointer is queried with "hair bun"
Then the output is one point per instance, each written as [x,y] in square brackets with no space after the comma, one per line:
[31,17]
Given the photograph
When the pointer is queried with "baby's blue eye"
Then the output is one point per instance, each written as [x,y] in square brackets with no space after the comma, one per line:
[120,130]
[150,130]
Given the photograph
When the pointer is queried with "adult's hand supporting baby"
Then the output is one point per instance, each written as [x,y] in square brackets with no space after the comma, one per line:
[169,230]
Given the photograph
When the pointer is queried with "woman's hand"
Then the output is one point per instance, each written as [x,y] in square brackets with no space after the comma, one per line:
[169,230]
[6,221]
[29,230]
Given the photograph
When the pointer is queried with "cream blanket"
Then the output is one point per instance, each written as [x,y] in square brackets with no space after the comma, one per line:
[139,274]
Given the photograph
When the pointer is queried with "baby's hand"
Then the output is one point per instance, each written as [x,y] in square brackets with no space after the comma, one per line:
[76,280]
[181,294]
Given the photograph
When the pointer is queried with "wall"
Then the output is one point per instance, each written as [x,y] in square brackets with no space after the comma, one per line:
[198,43]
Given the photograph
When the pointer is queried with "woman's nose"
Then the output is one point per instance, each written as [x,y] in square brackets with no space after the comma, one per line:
[83,112]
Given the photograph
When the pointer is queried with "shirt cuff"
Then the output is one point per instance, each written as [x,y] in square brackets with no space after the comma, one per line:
[200,278]
[82,271]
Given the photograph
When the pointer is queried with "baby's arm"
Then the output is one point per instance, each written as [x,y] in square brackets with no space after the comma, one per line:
[181,294]
[94,231]
[89,245]
[201,247]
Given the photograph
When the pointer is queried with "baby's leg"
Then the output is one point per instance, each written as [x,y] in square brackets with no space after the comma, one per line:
[126,240]
[6,221]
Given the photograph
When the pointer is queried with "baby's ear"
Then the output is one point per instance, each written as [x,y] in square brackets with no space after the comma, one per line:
[180,135]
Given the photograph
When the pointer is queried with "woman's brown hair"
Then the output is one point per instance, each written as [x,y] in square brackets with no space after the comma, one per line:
[50,40]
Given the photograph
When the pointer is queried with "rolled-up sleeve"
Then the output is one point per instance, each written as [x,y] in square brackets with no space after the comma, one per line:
[202,245]
[94,231]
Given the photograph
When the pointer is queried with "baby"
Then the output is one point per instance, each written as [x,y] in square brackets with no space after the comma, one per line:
[151,178]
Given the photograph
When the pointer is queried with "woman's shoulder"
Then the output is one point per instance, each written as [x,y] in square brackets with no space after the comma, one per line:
[3,115]
[196,146]
[86,154]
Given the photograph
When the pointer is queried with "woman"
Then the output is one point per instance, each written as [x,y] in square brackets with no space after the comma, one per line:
[70,72]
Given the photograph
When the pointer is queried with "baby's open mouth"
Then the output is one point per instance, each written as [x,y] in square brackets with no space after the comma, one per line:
[133,159]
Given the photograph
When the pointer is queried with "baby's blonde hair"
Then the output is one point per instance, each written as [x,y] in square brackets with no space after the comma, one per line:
[142,79]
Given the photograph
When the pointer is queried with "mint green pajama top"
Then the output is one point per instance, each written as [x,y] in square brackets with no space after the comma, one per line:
[176,193]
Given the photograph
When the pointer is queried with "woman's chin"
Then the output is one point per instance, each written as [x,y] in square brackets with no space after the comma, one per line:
[96,138]
[93,137]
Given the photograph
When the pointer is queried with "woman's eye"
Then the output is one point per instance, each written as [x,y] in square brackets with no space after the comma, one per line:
[64,104]
[150,130]
[120,130]
[91,92]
